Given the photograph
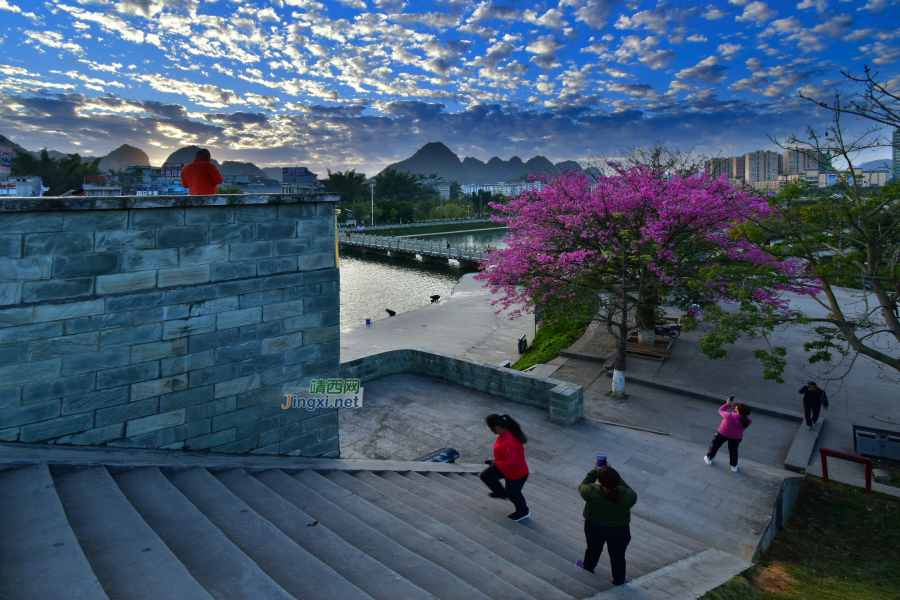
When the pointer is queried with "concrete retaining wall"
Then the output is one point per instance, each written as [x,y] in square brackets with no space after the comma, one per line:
[564,401]
[168,321]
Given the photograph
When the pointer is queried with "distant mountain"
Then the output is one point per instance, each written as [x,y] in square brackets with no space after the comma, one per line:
[123,157]
[882,163]
[435,157]
[186,155]
[235,167]
[273,173]
[4,141]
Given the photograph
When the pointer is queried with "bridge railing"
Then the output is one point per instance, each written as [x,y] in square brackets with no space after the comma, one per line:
[430,248]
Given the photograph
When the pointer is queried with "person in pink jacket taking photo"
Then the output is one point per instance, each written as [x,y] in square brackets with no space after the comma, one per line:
[735,420]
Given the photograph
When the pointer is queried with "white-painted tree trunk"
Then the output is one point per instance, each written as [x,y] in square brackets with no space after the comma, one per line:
[618,384]
[646,336]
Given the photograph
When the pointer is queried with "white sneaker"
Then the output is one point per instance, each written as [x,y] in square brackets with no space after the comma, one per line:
[707,460]
[809,426]
[734,469]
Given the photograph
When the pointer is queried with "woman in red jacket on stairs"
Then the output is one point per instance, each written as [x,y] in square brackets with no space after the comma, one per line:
[509,464]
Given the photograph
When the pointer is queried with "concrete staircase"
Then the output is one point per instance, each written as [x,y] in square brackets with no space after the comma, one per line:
[116,531]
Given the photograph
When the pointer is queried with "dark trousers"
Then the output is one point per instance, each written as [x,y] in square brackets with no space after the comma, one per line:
[616,540]
[717,443]
[513,490]
[811,410]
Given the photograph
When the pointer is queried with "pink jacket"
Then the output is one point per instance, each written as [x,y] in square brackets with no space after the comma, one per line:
[731,424]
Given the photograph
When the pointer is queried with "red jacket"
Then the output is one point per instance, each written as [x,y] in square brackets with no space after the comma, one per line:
[509,456]
[202,177]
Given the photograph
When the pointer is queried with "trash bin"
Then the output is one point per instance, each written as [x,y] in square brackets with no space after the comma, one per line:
[523,345]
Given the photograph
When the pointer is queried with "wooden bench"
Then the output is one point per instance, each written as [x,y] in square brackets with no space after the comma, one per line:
[635,348]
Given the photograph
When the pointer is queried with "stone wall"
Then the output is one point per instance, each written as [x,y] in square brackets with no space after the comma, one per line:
[168,322]
[564,401]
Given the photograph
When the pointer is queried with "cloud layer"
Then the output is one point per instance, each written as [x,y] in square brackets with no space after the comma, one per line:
[362,83]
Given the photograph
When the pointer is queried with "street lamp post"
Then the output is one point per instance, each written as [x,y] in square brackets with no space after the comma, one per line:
[372,185]
[467,211]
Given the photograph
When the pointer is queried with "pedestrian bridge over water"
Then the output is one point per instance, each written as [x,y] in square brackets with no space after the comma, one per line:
[428,250]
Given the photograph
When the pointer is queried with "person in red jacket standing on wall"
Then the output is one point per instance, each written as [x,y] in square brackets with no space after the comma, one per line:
[201,177]
[509,464]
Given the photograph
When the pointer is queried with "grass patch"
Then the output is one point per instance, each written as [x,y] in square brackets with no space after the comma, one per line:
[436,228]
[846,547]
[550,339]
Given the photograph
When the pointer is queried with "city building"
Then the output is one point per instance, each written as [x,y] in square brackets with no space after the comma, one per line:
[762,165]
[300,180]
[153,181]
[895,157]
[799,160]
[23,186]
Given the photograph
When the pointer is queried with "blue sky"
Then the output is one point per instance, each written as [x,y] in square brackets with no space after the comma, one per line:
[362,83]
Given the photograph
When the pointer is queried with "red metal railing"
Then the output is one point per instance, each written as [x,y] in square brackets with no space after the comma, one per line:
[823,452]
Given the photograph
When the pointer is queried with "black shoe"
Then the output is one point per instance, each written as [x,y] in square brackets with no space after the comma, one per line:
[517,516]
[496,497]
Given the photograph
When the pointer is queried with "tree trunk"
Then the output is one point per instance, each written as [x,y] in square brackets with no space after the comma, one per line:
[645,318]
[618,378]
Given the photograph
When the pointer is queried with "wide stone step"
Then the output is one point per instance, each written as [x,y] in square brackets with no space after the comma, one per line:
[496,513]
[210,557]
[297,571]
[358,568]
[641,550]
[420,571]
[648,542]
[638,562]
[420,514]
[127,556]
[658,532]
[572,516]
[559,572]
[485,534]
[411,538]
[41,557]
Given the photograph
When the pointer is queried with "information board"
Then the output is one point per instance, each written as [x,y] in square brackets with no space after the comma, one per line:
[5,159]
[287,172]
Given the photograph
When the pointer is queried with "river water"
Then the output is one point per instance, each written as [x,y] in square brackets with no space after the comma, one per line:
[371,283]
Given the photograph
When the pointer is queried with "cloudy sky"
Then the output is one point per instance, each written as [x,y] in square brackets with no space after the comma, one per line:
[362,83]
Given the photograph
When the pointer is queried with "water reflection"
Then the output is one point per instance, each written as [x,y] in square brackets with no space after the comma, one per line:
[370,283]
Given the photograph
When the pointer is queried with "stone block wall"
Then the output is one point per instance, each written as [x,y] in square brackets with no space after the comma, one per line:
[128,323]
[564,401]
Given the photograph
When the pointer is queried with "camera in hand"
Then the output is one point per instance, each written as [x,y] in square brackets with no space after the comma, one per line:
[487,462]
[601,461]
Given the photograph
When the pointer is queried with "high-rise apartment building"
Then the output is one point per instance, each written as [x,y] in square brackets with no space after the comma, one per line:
[738,170]
[798,161]
[761,165]
[895,161]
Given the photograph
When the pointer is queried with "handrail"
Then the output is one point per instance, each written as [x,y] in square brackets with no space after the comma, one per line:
[848,456]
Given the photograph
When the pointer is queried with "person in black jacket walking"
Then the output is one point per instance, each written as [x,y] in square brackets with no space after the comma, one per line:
[814,399]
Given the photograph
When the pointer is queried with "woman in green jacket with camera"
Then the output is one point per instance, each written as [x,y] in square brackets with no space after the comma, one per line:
[607,515]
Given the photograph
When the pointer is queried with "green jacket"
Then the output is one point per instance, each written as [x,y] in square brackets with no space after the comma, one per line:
[599,509]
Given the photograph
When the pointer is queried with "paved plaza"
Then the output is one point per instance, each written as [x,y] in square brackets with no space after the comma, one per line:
[406,416]
[464,324]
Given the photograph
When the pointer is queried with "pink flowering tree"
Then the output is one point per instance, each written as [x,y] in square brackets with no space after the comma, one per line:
[614,248]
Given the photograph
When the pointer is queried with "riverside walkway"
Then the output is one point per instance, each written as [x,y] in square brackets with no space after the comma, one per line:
[411,247]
